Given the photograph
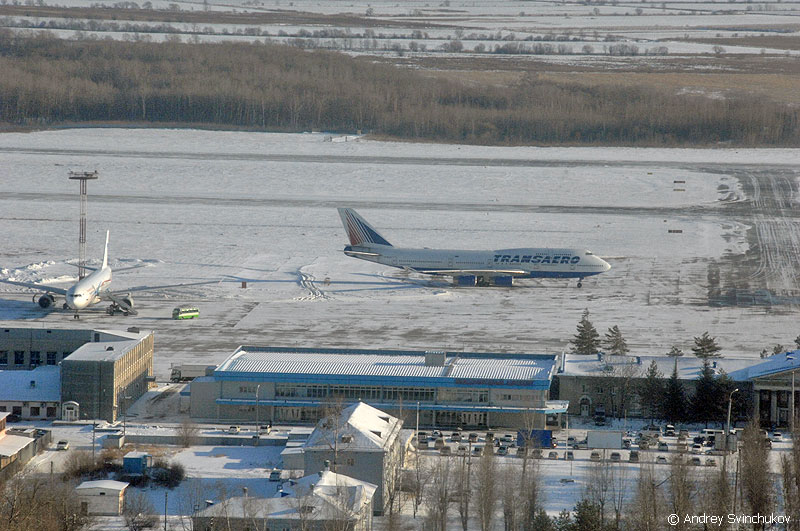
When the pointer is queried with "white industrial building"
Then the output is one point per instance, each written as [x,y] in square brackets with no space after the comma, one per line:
[102,498]
[31,395]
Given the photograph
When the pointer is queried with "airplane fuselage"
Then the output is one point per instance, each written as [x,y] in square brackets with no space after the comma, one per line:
[519,263]
[88,289]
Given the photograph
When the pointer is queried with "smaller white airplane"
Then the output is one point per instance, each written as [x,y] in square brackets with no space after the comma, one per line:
[91,289]
[468,267]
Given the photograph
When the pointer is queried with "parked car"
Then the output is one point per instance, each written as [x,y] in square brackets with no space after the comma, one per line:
[777,436]
[661,460]
[233,430]
[626,443]
[663,446]
[446,450]
[669,430]
[644,444]
[696,461]
[569,455]
[477,450]
[633,456]
[455,436]
[616,457]
[508,438]
[503,450]
[552,455]
[472,437]
[697,449]
[438,443]
[537,453]
[62,445]
[275,475]
[599,421]
[461,450]
[595,455]
[422,436]
[682,446]
[711,462]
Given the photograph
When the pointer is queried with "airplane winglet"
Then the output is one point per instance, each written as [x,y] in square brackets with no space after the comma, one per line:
[105,253]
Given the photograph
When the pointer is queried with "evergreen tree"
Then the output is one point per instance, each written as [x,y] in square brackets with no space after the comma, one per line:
[778,349]
[708,396]
[652,391]
[587,340]
[674,399]
[675,352]
[563,522]
[588,516]
[706,347]
[797,341]
[615,343]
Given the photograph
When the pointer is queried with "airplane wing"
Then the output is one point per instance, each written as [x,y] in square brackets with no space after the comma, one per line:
[491,272]
[41,287]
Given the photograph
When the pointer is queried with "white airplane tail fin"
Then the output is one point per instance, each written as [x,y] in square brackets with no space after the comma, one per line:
[105,253]
[358,230]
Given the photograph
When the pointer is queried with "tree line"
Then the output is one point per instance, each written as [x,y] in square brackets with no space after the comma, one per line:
[264,86]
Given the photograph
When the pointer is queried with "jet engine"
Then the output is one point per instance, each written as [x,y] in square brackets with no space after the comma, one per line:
[46,300]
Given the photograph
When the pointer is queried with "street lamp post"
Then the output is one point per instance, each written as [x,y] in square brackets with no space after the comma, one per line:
[258,427]
[728,424]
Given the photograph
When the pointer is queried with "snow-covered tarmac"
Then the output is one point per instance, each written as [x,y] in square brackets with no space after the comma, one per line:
[220,208]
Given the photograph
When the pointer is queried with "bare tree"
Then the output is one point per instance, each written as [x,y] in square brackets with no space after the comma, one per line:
[682,489]
[438,496]
[510,496]
[138,512]
[758,492]
[646,510]
[36,503]
[598,487]
[187,433]
[486,488]
[790,476]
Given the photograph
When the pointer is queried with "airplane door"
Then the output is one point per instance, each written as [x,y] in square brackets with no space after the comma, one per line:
[449,261]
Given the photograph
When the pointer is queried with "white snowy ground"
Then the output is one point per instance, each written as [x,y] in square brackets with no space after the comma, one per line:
[219,208]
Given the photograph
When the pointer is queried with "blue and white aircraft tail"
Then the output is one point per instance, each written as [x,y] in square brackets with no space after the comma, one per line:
[469,268]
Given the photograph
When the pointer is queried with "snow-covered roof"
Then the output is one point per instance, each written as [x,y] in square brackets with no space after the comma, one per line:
[102,350]
[331,496]
[16,384]
[337,489]
[11,444]
[689,366]
[107,484]
[497,369]
[786,362]
[359,426]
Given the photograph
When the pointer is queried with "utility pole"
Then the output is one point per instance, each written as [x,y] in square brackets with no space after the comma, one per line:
[258,427]
[165,510]
[82,177]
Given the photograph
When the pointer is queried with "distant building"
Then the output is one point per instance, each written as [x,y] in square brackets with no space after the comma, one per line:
[294,385]
[314,503]
[107,376]
[31,395]
[361,442]
[73,374]
[774,382]
[101,498]
[19,447]
[611,383]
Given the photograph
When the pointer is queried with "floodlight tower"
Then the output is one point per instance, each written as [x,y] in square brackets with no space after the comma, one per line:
[82,177]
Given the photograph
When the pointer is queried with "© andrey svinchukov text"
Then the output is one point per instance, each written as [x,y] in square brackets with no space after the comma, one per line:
[731,518]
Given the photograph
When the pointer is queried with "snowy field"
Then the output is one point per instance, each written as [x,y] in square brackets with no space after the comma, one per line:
[572,29]
[215,209]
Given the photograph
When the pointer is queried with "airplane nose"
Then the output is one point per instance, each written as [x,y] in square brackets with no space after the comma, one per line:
[606,265]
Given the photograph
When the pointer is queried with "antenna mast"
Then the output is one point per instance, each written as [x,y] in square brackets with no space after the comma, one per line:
[82,177]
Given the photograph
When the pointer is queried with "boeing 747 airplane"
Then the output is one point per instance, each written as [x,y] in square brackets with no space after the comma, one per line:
[92,289]
[470,268]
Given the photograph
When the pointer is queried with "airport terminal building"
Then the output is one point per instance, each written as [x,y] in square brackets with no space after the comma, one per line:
[296,385]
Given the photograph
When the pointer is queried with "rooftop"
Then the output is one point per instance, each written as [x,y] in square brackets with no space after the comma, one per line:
[689,366]
[107,484]
[10,445]
[779,363]
[42,384]
[358,426]
[375,366]
[108,350]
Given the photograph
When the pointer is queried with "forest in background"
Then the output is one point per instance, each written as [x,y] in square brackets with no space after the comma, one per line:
[47,81]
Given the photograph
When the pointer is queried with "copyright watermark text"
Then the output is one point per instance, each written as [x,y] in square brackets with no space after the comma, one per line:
[731,518]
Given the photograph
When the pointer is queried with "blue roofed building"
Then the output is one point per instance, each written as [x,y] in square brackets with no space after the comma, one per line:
[293,385]
[775,390]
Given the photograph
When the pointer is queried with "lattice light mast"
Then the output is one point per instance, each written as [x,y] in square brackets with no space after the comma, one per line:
[82,177]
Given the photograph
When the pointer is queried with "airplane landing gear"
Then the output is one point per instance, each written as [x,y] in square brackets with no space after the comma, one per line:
[580,283]
[76,316]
